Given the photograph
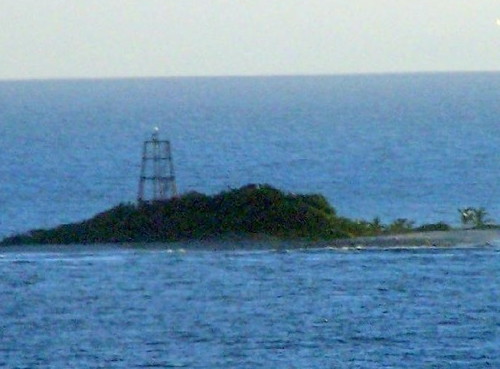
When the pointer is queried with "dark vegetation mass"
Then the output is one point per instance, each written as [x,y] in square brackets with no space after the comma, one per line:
[251,211]
[248,211]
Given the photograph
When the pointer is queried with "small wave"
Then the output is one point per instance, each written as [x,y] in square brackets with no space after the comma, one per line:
[22,261]
[163,364]
[71,258]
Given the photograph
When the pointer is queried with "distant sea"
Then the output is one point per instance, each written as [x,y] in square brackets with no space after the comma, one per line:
[414,146]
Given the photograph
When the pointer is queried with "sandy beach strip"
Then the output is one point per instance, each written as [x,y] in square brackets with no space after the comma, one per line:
[462,237]
[453,238]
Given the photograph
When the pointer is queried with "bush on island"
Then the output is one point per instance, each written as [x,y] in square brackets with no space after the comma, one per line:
[249,210]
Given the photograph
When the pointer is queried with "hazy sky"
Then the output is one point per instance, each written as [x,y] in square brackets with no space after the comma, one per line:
[107,38]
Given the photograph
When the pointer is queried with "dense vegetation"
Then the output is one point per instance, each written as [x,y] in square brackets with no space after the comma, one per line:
[251,211]
[248,211]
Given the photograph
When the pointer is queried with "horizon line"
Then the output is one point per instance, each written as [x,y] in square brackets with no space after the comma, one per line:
[215,76]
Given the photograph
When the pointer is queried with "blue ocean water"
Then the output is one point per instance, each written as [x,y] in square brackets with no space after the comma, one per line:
[414,146]
[397,146]
[87,308]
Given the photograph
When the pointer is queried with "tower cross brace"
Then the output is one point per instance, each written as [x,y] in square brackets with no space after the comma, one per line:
[157,178]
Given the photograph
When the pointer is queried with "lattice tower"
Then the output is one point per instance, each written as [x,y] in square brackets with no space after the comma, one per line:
[157,178]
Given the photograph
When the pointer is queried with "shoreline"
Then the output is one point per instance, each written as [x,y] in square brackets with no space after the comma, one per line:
[434,239]
[254,216]
[457,237]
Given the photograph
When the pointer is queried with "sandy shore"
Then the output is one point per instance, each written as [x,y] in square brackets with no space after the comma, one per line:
[454,238]
[463,237]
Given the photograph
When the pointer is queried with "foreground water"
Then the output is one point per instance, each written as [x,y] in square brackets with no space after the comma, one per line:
[137,308]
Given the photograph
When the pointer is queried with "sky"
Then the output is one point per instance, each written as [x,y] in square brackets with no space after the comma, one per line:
[42,39]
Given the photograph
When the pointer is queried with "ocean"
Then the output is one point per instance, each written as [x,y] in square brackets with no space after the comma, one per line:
[415,146]
[135,308]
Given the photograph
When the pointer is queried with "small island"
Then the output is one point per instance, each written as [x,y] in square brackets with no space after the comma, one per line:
[251,212]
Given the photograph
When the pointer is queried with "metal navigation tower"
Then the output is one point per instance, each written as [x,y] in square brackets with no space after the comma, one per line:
[157,179]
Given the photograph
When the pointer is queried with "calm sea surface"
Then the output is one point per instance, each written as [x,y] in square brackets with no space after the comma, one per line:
[401,146]
[434,308]
[397,146]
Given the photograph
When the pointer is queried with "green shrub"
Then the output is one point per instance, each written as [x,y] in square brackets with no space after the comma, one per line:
[441,226]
